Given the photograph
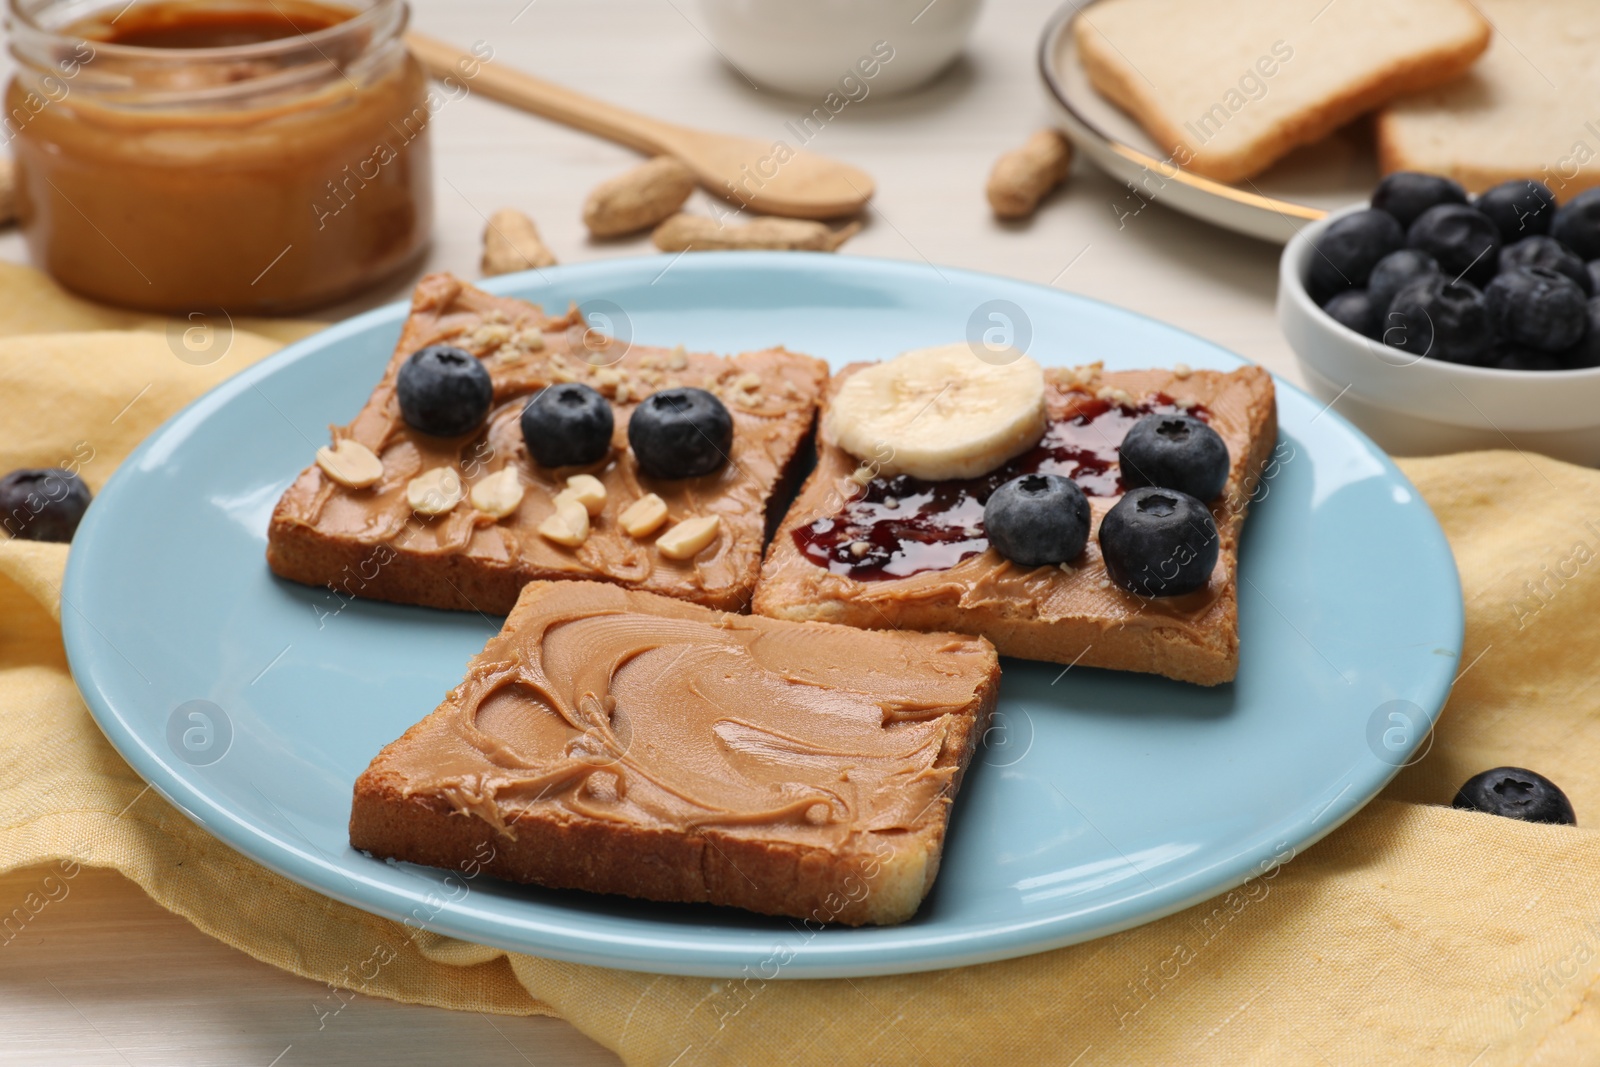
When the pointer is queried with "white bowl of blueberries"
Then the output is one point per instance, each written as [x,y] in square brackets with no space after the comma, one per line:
[1444,323]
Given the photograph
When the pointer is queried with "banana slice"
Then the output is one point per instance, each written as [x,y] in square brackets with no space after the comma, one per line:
[939,413]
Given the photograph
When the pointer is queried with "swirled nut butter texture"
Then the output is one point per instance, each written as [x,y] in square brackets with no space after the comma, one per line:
[243,155]
[665,725]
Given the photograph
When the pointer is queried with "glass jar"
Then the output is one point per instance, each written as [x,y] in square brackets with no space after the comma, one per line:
[260,156]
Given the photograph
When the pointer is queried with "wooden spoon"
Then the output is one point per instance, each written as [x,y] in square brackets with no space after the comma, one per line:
[768,177]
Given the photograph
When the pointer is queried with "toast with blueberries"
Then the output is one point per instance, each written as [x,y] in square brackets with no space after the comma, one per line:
[1230,88]
[1075,515]
[505,445]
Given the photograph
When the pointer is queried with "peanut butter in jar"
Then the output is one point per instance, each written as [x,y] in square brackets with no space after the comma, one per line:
[257,156]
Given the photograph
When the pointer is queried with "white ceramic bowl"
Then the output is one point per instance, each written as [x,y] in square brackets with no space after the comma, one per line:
[810,48]
[1413,406]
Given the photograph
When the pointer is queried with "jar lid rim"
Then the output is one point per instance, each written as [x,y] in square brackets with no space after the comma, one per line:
[25,31]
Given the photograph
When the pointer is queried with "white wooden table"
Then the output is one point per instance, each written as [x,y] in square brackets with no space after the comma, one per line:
[110,978]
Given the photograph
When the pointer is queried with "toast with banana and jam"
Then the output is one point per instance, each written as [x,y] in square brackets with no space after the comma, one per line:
[1075,515]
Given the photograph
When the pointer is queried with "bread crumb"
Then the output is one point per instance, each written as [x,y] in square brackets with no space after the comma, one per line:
[1182,370]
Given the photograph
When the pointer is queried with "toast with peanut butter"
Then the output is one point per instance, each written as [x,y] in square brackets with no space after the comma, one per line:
[464,511]
[867,544]
[621,742]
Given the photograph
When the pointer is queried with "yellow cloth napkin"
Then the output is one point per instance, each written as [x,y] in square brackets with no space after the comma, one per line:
[1413,934]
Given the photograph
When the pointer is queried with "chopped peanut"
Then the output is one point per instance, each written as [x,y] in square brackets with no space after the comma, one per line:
[350,463]
[499,494]
[587,490]
[435,492]
[569,524]
[644,516]
[689,537]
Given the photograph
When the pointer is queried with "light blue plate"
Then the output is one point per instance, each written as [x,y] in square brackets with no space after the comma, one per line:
[1100,800]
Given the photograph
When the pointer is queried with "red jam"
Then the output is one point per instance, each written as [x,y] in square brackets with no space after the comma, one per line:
[909,525]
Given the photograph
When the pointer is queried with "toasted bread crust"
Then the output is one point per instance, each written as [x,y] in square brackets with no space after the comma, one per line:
[1114,79]
[880,877]
[1206,652]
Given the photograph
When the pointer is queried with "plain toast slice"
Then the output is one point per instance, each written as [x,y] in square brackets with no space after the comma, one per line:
[1229,87]
[1517,112]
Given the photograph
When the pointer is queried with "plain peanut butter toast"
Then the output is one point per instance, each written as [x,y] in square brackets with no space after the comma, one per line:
[1073,515]
[505,445]
[621,742]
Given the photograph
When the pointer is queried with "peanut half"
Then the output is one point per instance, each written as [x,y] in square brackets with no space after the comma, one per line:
[682,233]
[587,490]
[1023,176]
[350,463]
[689,537]
[499,494]
[569,524]
[511,242]
[644,516]
[638,198]
[435,492]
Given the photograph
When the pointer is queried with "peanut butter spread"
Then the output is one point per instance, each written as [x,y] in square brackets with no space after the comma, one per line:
[602,703]
[770,394]
[1239,406]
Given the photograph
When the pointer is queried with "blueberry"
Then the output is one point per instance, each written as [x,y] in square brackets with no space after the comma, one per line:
[443,391]
[1547,252]
[566,425]
[1593,267]
[1516,794]
[1037,520]
[1510,356]
[680,433]
[1406,194]
[1440,319]
[1393,273]
[1159,542]
[42,504]
[1537,307]
[1518,208]
[1354,309]
[1577,224]
[1174,452]
[1586,353]
[1348,249]
[1463,240]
